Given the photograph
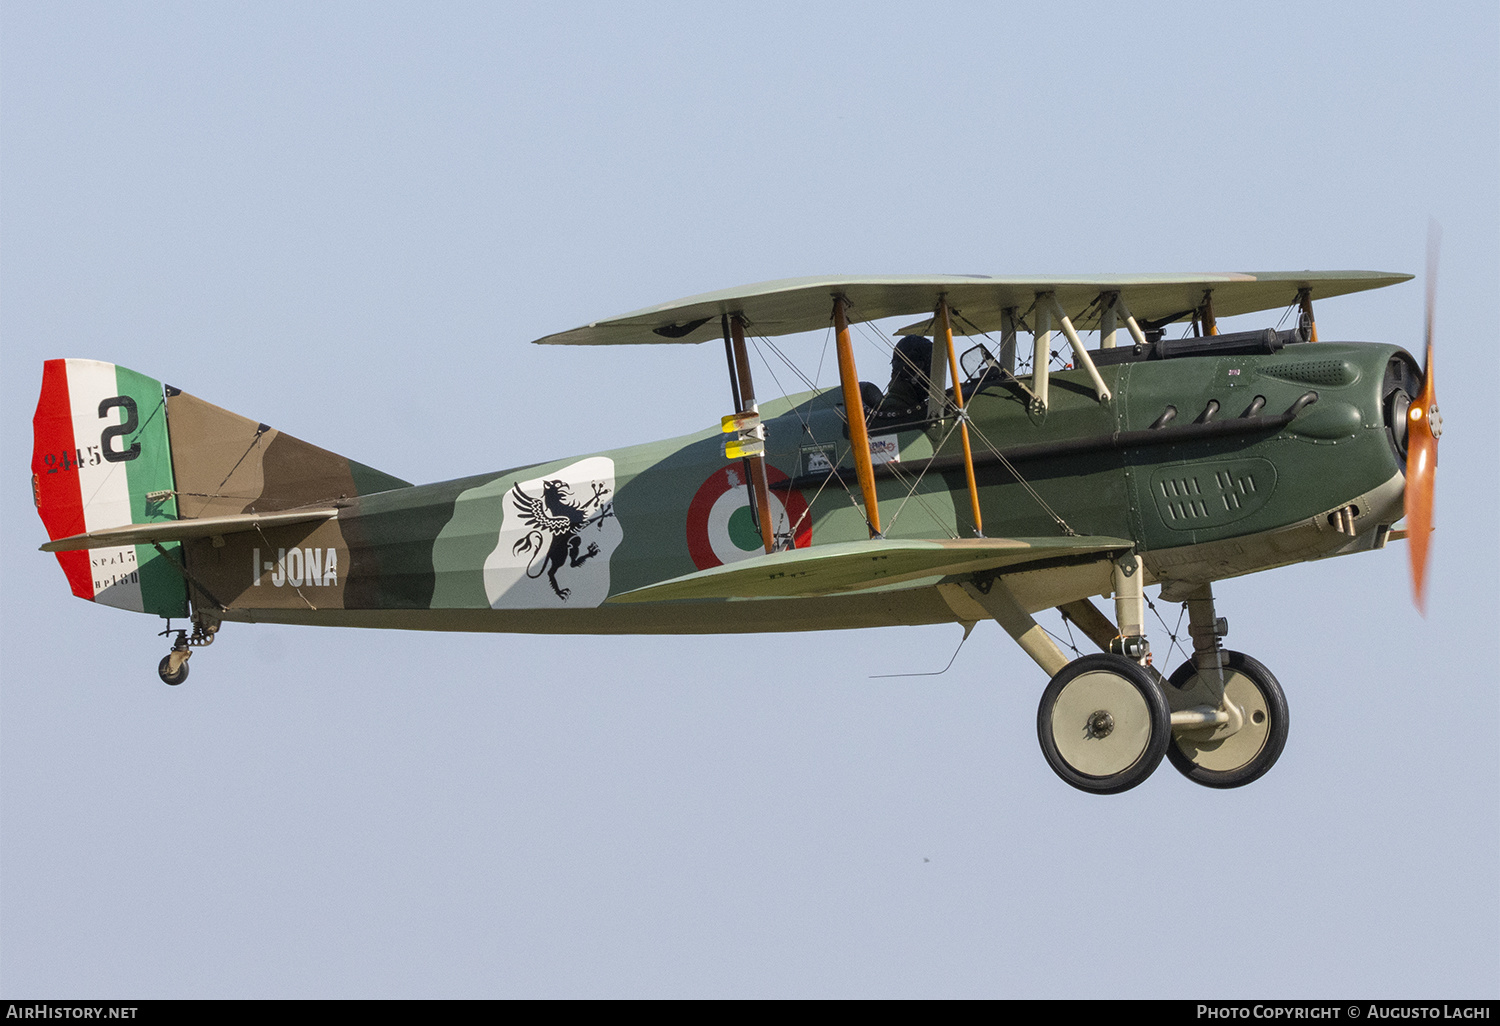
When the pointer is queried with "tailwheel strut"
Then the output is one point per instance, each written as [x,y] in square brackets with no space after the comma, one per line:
[173,668]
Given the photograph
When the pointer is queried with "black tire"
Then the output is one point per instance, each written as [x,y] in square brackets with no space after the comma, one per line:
[164,671]
[1225,763]
[1131,725]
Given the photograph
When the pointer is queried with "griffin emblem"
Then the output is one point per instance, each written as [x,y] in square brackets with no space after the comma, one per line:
[556,526]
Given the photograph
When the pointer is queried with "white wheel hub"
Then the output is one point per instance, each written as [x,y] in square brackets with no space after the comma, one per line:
[1222,753]
[1101,723]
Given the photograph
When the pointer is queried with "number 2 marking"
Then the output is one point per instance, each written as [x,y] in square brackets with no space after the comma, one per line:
[132,421]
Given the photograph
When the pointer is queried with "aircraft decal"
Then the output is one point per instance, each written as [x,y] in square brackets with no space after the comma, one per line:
[721,527]
[313,567]
[556,536]
[885,449]
[819,458]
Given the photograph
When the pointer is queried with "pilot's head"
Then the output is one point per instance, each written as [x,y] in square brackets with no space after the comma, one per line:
[912,358]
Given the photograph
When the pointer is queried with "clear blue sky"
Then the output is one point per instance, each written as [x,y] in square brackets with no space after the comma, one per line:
[347,220]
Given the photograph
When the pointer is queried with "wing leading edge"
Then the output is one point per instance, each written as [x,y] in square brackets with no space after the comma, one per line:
[793,305]
[859,566]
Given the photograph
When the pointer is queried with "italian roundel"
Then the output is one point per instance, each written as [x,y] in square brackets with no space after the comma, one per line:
[721,526]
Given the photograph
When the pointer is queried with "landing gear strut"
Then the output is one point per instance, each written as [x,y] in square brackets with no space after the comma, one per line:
[173,668]
[1212,755]
[1104,723]
[1229,716]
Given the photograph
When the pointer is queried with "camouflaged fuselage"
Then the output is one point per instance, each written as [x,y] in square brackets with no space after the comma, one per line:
[541,548]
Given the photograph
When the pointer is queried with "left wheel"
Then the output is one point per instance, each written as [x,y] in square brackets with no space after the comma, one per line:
[1103,724]
[164,671]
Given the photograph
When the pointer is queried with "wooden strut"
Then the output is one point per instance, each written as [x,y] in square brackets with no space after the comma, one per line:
[1206,313]
[854,411]
[945,327]
[760,485]
[1304,300]
[734,378]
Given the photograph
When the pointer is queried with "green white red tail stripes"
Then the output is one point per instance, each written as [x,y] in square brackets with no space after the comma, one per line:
[102,458]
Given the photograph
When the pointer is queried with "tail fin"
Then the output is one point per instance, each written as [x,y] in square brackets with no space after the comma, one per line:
[113,447]
[101,459]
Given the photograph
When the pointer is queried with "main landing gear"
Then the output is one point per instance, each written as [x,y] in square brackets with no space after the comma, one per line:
[1104,724]
[1226,719]
[1105,721]
[173,668]
[1242,748]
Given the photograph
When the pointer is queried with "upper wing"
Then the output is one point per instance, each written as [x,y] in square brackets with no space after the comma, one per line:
[856,566]
[793,305]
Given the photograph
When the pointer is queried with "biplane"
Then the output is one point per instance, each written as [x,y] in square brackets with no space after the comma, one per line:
[1008,469]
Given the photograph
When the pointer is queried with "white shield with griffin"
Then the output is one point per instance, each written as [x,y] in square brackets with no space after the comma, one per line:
[556,536]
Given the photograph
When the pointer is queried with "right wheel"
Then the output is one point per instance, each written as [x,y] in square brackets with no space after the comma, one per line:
[1103,724]
[164,671]
[1205,756]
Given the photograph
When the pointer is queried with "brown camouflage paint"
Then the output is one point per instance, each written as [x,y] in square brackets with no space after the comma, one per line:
[226,464]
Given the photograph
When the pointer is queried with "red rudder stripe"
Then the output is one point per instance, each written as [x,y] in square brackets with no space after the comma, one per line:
[54,473]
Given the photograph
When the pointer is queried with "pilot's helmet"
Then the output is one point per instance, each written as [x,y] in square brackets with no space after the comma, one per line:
[912,358]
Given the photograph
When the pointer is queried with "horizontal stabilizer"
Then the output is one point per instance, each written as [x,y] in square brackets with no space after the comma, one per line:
[185,530]
[795,305]
[855,566]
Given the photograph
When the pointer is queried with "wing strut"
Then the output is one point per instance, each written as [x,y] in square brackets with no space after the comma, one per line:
[744,392]
[854,410]
[1080,351]
[1206,314]
[944,328]
[1304,300]
[1115,306]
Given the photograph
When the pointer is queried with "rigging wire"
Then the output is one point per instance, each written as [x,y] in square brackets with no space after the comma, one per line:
[1072,642]
[912,493]
[938,673]
[1060,641]
[1171,632]
[827,337]
[897,471]
[1011,467]
[755,341]
[950,409]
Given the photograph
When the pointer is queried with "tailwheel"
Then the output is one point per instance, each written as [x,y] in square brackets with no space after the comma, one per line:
[173,668]
[1236,753]
[1103,724]
[170,676]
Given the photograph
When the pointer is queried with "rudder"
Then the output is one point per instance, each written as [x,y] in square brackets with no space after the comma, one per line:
[101,458]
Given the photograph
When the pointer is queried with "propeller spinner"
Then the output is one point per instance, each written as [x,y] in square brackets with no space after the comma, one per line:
[1424,426]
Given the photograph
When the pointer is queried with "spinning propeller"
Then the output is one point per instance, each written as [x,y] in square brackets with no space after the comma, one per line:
[1423,427]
